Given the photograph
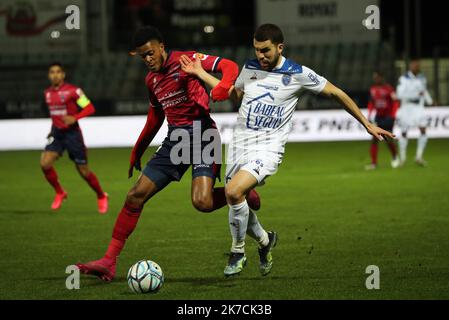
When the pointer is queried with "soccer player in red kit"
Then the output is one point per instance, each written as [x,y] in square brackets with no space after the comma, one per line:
[184,101]
[64,100]
[383,104]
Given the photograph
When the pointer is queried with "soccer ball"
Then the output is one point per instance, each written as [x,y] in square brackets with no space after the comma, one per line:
[145,276]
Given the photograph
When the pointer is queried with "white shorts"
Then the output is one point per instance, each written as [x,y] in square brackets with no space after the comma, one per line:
[261,164]
[411,116]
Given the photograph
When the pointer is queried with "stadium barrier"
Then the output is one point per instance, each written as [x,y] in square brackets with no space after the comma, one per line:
[122,131]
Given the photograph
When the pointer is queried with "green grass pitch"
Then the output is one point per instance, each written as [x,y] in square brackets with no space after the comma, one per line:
[333,219]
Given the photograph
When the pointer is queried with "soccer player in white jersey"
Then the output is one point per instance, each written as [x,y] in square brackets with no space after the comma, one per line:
[269,88]
[412,91]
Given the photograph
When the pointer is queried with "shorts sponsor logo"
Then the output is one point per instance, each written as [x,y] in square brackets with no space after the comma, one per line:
[197,166]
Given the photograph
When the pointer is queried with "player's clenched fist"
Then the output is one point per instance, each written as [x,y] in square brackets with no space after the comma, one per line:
[221,91]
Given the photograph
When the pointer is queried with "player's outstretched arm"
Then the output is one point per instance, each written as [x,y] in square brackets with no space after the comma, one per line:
[195,68]
[350,106]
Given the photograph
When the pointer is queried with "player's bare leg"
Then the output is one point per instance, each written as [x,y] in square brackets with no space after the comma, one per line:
[91,179]
[243,221]
[206,198]
[421,145]
[125,224]
[48,158]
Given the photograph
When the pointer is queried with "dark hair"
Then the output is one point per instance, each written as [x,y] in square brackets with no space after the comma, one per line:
[145,34]
[56,64]
[269,31]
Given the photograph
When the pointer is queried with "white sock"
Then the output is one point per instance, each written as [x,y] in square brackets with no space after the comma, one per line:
[256,231]
[238,223]
[403,148]
[422,141]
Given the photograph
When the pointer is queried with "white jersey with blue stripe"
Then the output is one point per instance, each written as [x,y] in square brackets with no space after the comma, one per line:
[268,103]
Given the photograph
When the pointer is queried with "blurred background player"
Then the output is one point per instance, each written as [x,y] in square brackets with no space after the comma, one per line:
[64,100]
[382,108]
[184,101]
[268,89]
[413,94]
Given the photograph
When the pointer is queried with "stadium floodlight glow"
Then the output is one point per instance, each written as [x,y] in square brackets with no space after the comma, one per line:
[209,29]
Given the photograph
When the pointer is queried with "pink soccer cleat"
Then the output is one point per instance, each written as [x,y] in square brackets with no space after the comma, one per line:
[103,203]
[59,198]
[103,268]
[253,200]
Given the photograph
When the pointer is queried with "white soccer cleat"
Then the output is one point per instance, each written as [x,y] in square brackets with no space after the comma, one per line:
[395,163]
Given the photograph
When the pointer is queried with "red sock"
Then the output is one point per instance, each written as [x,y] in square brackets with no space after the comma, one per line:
[219,198]
[92,180]
[393,149]
[52,178]
[373,151]
[124,225]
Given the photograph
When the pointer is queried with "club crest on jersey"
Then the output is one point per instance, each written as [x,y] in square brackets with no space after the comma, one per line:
[286,79]
[254,76]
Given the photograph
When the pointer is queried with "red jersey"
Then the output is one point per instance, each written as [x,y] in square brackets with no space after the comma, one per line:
[61,102]
[182,96]
[382,99]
